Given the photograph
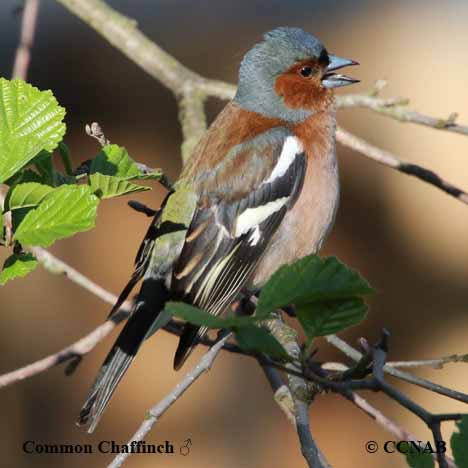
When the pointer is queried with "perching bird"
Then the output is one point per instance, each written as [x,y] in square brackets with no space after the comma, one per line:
[260,190]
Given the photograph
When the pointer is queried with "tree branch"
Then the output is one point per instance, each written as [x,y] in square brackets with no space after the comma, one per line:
[388,424]
[355,355]
[74,352]
[437,363]
[377,382]
[192,118]
[204,365]
[28,29]
[397,108]
[388,159]
[58,267]
[301,391]
[189,87]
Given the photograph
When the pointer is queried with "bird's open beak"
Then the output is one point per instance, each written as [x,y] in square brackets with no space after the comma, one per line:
[336,80]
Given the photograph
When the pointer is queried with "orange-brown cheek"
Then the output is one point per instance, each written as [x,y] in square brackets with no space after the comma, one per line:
[300,94]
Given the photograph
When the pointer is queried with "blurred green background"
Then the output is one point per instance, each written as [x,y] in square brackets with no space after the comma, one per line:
[409,239]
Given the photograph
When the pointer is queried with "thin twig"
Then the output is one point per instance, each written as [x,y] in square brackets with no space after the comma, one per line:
[73,352]
[388,159]
[28,29]
[76,351]
[355,355]
[58,267]
[437,363]
[158,410]
[396,108]
[387,423]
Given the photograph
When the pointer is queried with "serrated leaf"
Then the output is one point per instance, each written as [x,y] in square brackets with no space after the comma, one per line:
[311,279]
[30,121]
[420,460]
[326,318]
[254,338]
[65,211]
[105,186]
[22,177]
[114,160]
[17,266]
[459,443]
[201,317]
[27,195]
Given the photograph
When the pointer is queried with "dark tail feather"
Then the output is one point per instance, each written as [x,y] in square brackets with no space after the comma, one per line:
[188,340]
[112,371]
[123,352]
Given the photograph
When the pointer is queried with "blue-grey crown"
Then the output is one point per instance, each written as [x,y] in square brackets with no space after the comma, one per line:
[279,51]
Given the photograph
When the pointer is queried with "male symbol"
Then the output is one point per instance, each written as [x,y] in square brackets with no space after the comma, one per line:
[185,449]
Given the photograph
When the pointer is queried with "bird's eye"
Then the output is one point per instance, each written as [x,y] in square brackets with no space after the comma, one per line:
[306,72]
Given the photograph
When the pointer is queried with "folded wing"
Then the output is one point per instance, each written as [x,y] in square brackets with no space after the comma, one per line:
[240,207]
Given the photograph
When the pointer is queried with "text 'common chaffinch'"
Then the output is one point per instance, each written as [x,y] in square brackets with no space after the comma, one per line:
[260,190]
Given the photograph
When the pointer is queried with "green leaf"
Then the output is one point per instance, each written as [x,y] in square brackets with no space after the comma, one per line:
[420,460]
[249,336]
[17,266]
[459,443]
[114,160]
[105,186]
[30,121]
[201,317]
[254,338]
[65,211]
[308,280]
[111,171]
[27,195]
[326,318]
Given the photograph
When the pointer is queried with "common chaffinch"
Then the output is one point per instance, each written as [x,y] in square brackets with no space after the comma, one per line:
[260,190]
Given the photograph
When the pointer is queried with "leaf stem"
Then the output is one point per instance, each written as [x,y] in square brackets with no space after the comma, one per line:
[64,152]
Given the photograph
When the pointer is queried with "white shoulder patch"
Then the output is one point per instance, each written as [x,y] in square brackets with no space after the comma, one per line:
[252,217]
[291,148]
